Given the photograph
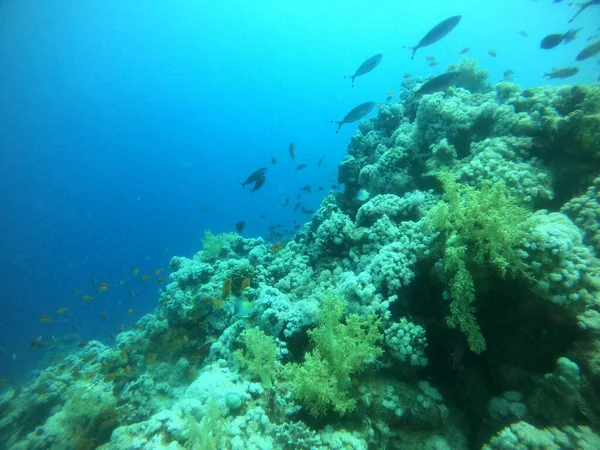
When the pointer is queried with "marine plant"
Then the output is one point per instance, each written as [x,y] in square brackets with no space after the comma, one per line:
[260,357]
[480,227]
[325,379]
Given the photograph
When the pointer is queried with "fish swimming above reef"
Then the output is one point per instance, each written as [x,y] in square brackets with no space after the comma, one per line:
[583,7]
[464,50]
[571,35]
[239,227]
[509,75]
[562,73]
[255,176]
[436,33]
[368,65]
[551,41]
[438,83]
[355,114]
[591,50]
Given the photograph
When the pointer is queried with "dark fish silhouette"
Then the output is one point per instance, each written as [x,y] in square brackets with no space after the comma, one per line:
[293,151]
[591,50]
[239,227]
[273,160]
[562,73]
[571,34]
[583,7]
[355,114]
[366,66]
[255,176]
[438,83]
[320,162]
[436,33]
[551,41]
[301,166]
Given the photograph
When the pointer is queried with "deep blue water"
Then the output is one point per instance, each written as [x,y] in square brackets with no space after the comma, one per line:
[120,121]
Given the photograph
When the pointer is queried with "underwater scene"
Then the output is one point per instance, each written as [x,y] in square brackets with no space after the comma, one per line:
[256,225]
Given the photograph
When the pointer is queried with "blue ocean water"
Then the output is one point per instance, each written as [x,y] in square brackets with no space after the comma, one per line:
[126,129]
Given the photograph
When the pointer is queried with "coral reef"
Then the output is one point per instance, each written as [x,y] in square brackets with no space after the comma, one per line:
[457,307]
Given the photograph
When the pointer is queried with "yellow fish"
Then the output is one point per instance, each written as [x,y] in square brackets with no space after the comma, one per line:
[135,271]
[87,298]
[45,319]
[103,287]
[158,271]
[146,277]
[62,310]
[130,311]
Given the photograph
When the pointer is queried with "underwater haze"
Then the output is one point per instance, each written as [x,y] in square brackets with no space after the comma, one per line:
[128,128]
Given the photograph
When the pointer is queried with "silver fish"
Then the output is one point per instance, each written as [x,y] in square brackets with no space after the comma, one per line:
[438,83]
[436,33]
[366,67]
[591,50]
[355,114]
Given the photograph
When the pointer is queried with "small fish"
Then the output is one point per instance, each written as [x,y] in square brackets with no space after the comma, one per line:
[135,271]
[368,65]
[255,176]
[464,50]
[158,271]
[75,292]
[594,36]
[45,319]
[562,73]
[307,210]
[131,294]
[523,33]
[320,161]
[243,308]
[165,249]
[436,33]
[273,160]
[430,58]
[286,202]
[122,282]
[551,41]
[161,280]
[407,75]
[87,298]
[492,53]
[571,35]
[62,310]
[239,227]
[362,195]
[121,328]
[433,64]
[103,287]
[301,166]
[75,328]
[218,303]
[245,284]
[306,188]
[355,114]
[111,336]
[297,206]
[591,50]
[509,75]
[103,315]
[146,277]
[293,151]
[438,83]
[130,311]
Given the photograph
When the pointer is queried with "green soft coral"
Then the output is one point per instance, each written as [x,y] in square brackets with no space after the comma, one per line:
[212,245]
[260,357]
[481,228]
[342,350]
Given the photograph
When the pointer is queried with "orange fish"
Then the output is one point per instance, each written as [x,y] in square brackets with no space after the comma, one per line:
[103,287]
[45,319]
[146,277]
[217,303]
[492,53]
[245,284]
[62,310]
[207,300]
[135,271]
[130,311]
[87,298]
[226,290]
